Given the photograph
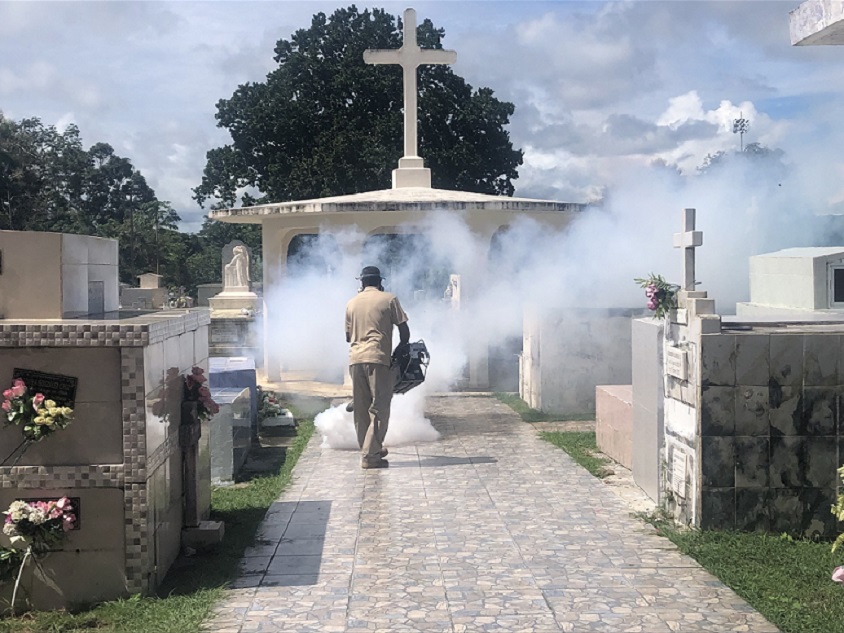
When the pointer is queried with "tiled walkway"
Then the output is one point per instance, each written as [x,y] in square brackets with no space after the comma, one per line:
[488,529]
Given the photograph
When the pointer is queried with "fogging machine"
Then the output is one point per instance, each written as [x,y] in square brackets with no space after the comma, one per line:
[409,363]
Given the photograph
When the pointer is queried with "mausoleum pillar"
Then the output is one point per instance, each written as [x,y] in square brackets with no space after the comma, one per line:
[274,249]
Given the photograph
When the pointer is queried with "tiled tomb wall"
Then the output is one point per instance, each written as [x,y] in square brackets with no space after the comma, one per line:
[758,424]
[769,428]
[121,460]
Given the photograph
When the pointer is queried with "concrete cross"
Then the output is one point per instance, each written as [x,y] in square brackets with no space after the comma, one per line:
[688,240]
[409,57]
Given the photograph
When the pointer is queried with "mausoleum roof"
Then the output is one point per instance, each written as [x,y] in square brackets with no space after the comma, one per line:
[817,22]
[405,199]
[804,252]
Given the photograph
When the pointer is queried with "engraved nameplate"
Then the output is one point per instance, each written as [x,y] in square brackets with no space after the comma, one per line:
[676,363]
[225,333]
[678,475]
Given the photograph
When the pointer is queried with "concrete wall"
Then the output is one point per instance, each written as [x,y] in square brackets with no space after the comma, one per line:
[648,400]
[614,422]
[31,260]
[87,259]
[567,354]
[96,434]
[60,267]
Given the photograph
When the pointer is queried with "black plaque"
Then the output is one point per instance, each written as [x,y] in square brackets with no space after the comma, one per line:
[60,389]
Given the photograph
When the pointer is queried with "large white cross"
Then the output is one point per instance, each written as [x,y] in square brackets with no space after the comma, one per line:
[688,240]
[409,57]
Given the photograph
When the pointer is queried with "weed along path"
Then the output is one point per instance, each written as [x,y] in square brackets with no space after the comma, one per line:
[488,529]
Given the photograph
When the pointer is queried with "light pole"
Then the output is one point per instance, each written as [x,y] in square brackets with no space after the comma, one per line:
[740,127]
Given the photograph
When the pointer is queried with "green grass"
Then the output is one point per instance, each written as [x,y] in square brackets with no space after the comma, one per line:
[533,415]
[194,584]
[787,580]
[583,448]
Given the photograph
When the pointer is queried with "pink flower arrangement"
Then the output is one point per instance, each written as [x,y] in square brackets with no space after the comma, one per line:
[37,416]
[838,575]
[38,524]
[196,390]
[661,295]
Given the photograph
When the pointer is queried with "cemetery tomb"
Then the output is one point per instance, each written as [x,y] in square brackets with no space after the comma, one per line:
[74,275]
[121,459]
[750,419]
[148,296]
[231,433]
[796,281]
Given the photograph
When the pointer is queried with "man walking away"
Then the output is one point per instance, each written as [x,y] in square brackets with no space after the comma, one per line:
[370,317]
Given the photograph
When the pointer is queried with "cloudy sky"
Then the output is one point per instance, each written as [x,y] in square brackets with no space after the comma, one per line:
[598,86]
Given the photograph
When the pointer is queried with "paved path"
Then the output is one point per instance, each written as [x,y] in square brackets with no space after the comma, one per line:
[488,529]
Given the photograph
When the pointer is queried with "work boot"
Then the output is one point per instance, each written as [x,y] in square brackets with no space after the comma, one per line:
[350,406]
[383,453]
[379,463]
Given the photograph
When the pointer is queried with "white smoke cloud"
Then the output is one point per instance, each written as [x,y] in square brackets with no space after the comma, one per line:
[408,424]
[744,207]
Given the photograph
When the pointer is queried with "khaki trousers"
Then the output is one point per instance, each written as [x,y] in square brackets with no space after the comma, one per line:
[372,392]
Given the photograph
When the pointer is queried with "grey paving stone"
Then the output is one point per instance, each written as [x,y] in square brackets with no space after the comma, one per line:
[487,529]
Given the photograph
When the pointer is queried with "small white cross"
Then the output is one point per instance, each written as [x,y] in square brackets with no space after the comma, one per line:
[688,240]
[409,57]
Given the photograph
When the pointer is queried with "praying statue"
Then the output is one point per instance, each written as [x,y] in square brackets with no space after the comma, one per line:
[236,272]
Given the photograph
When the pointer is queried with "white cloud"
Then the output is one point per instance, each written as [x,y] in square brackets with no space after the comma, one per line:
[681,109]
[598,86]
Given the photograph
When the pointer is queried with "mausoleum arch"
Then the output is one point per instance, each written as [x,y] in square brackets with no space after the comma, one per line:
[317,251]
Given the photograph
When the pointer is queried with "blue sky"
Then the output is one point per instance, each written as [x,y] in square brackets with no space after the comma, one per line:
[598,86]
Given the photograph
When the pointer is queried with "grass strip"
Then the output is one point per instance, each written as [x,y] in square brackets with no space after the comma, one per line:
[527,414]
[583,448]
[787,580]
[194,584]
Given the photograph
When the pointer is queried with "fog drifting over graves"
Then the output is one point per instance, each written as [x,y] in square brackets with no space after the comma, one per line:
[742,210]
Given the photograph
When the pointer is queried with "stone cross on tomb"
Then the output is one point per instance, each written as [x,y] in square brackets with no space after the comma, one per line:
[410,56]
[688,240]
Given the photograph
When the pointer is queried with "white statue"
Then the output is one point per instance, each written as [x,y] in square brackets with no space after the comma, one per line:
[236,272]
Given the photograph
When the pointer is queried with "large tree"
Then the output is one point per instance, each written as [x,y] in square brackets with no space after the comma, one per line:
[324,123]
[49,182]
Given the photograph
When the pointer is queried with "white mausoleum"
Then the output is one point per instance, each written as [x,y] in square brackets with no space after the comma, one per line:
[409,203]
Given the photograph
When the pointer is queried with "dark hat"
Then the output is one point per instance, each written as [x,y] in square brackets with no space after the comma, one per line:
[370,271]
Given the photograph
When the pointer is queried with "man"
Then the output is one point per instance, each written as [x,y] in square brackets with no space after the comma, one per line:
[370,317]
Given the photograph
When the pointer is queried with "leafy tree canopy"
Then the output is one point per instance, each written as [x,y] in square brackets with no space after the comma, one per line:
[49,182]
[766,163]
[325,123]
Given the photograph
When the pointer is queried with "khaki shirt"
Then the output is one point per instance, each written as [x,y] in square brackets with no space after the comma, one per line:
[370,317]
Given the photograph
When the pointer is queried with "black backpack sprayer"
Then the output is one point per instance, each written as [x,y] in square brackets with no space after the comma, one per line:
[409,363]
